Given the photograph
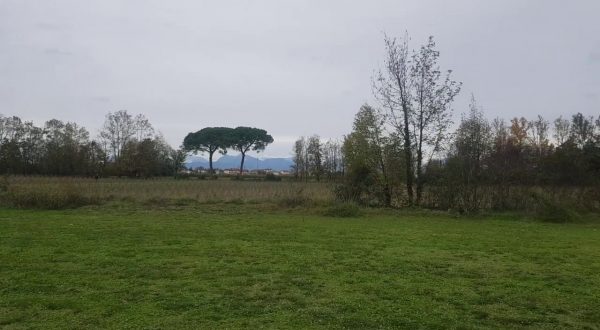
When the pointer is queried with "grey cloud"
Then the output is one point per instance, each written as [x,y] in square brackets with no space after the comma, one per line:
[56,51]
[100,99]
[47,26]
[294,68]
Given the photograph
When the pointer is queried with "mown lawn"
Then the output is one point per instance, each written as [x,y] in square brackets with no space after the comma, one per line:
[233,266]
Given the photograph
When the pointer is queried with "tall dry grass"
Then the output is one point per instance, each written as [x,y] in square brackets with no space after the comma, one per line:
[23,191]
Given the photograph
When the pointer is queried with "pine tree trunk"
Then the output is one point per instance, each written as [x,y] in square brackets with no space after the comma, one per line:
[242,164]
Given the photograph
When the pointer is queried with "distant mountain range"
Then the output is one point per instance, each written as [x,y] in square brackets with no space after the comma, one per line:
[250,163]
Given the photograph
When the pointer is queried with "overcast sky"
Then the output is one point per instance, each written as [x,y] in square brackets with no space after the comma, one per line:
[291,67]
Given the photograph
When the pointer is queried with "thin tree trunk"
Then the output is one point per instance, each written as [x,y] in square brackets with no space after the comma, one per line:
[210,162]
[419,177]
[387,193]
[407,144]
[408,156]
[419,167]
[242,164]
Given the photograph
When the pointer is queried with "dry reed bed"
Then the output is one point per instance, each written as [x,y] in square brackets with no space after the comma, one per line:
[222,190]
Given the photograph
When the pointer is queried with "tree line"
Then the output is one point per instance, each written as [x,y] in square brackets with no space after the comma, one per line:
[478,165]
[404,152]
[126,146]
[522,152]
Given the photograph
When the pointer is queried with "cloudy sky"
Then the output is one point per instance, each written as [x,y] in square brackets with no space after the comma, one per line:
[291,67]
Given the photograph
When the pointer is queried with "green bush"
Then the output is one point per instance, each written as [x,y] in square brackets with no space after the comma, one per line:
[343,210]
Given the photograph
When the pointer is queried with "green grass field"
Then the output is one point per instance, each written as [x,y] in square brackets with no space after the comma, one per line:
[248,266]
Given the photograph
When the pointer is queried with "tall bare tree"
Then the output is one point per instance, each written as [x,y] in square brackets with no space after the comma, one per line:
[562,128]
[392,86]
[432,116]
[119,128]
[143,128]
[539,135]
[582,129]
[416,97]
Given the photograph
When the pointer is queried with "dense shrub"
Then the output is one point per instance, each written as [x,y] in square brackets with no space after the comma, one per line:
[362,186]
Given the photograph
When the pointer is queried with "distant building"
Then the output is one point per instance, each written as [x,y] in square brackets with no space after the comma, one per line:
[234,171]
[261,171]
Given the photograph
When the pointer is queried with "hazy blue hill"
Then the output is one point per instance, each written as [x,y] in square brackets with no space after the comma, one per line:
[196,161]
[251,163]
[279,164]
[227,161]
